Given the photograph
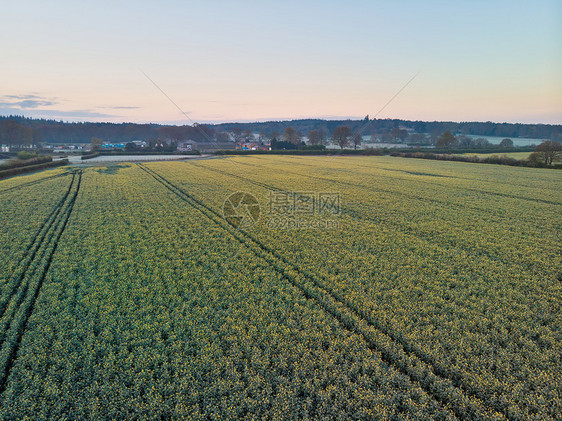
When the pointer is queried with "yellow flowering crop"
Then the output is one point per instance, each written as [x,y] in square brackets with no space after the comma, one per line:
[430,290]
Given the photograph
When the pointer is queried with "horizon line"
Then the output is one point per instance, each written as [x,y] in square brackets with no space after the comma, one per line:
[269,120]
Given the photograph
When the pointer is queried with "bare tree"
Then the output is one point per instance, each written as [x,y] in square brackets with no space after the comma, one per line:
[223,137]
[237,134]
[341,136]
[356,140]
[314,137]
[323,136]
[548,152]
[506,143]
[464,141]
[95,143]
[290,135]
[399,134]
[274,135]
[446,140]
[481,142]
[420,138]
[248,136]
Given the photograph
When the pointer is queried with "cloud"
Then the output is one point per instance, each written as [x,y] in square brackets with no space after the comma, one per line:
[32,105]
[32,96]
[120,107]
[25,102]
[28,103]
[56,114]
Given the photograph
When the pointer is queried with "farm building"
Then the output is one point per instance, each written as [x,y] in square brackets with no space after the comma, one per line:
[187,146]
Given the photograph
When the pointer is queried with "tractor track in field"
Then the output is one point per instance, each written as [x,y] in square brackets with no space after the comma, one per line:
[19,306]
[361,186]
[31,183]
[31,250]
[355,214]
[492,213]
[512,196]
[407,231]
[443,385]
[435,294]
[432,201]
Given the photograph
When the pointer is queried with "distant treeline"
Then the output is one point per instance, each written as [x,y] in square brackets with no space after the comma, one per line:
[491,159]
[434,128]
[18,130]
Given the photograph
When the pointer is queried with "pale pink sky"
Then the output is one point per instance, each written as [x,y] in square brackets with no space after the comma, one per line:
[250,60]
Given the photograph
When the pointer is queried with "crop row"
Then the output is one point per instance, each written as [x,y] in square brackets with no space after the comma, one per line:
[16,184]
[151,310]
[23,214]
[392,351]
[441,244]
[503,350]
[20,292]
[435,297]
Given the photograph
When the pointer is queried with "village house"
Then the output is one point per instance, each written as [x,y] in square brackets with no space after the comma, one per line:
[187,146]
[253,146]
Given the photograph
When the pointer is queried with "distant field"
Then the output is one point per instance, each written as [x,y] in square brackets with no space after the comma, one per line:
[514,155]
[517,141]
[329,287]
[128,158]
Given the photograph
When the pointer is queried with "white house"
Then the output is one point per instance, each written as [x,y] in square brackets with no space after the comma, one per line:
[187,146]
[140,143]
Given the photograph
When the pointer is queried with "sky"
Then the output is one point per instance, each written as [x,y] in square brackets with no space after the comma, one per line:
[250,60]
